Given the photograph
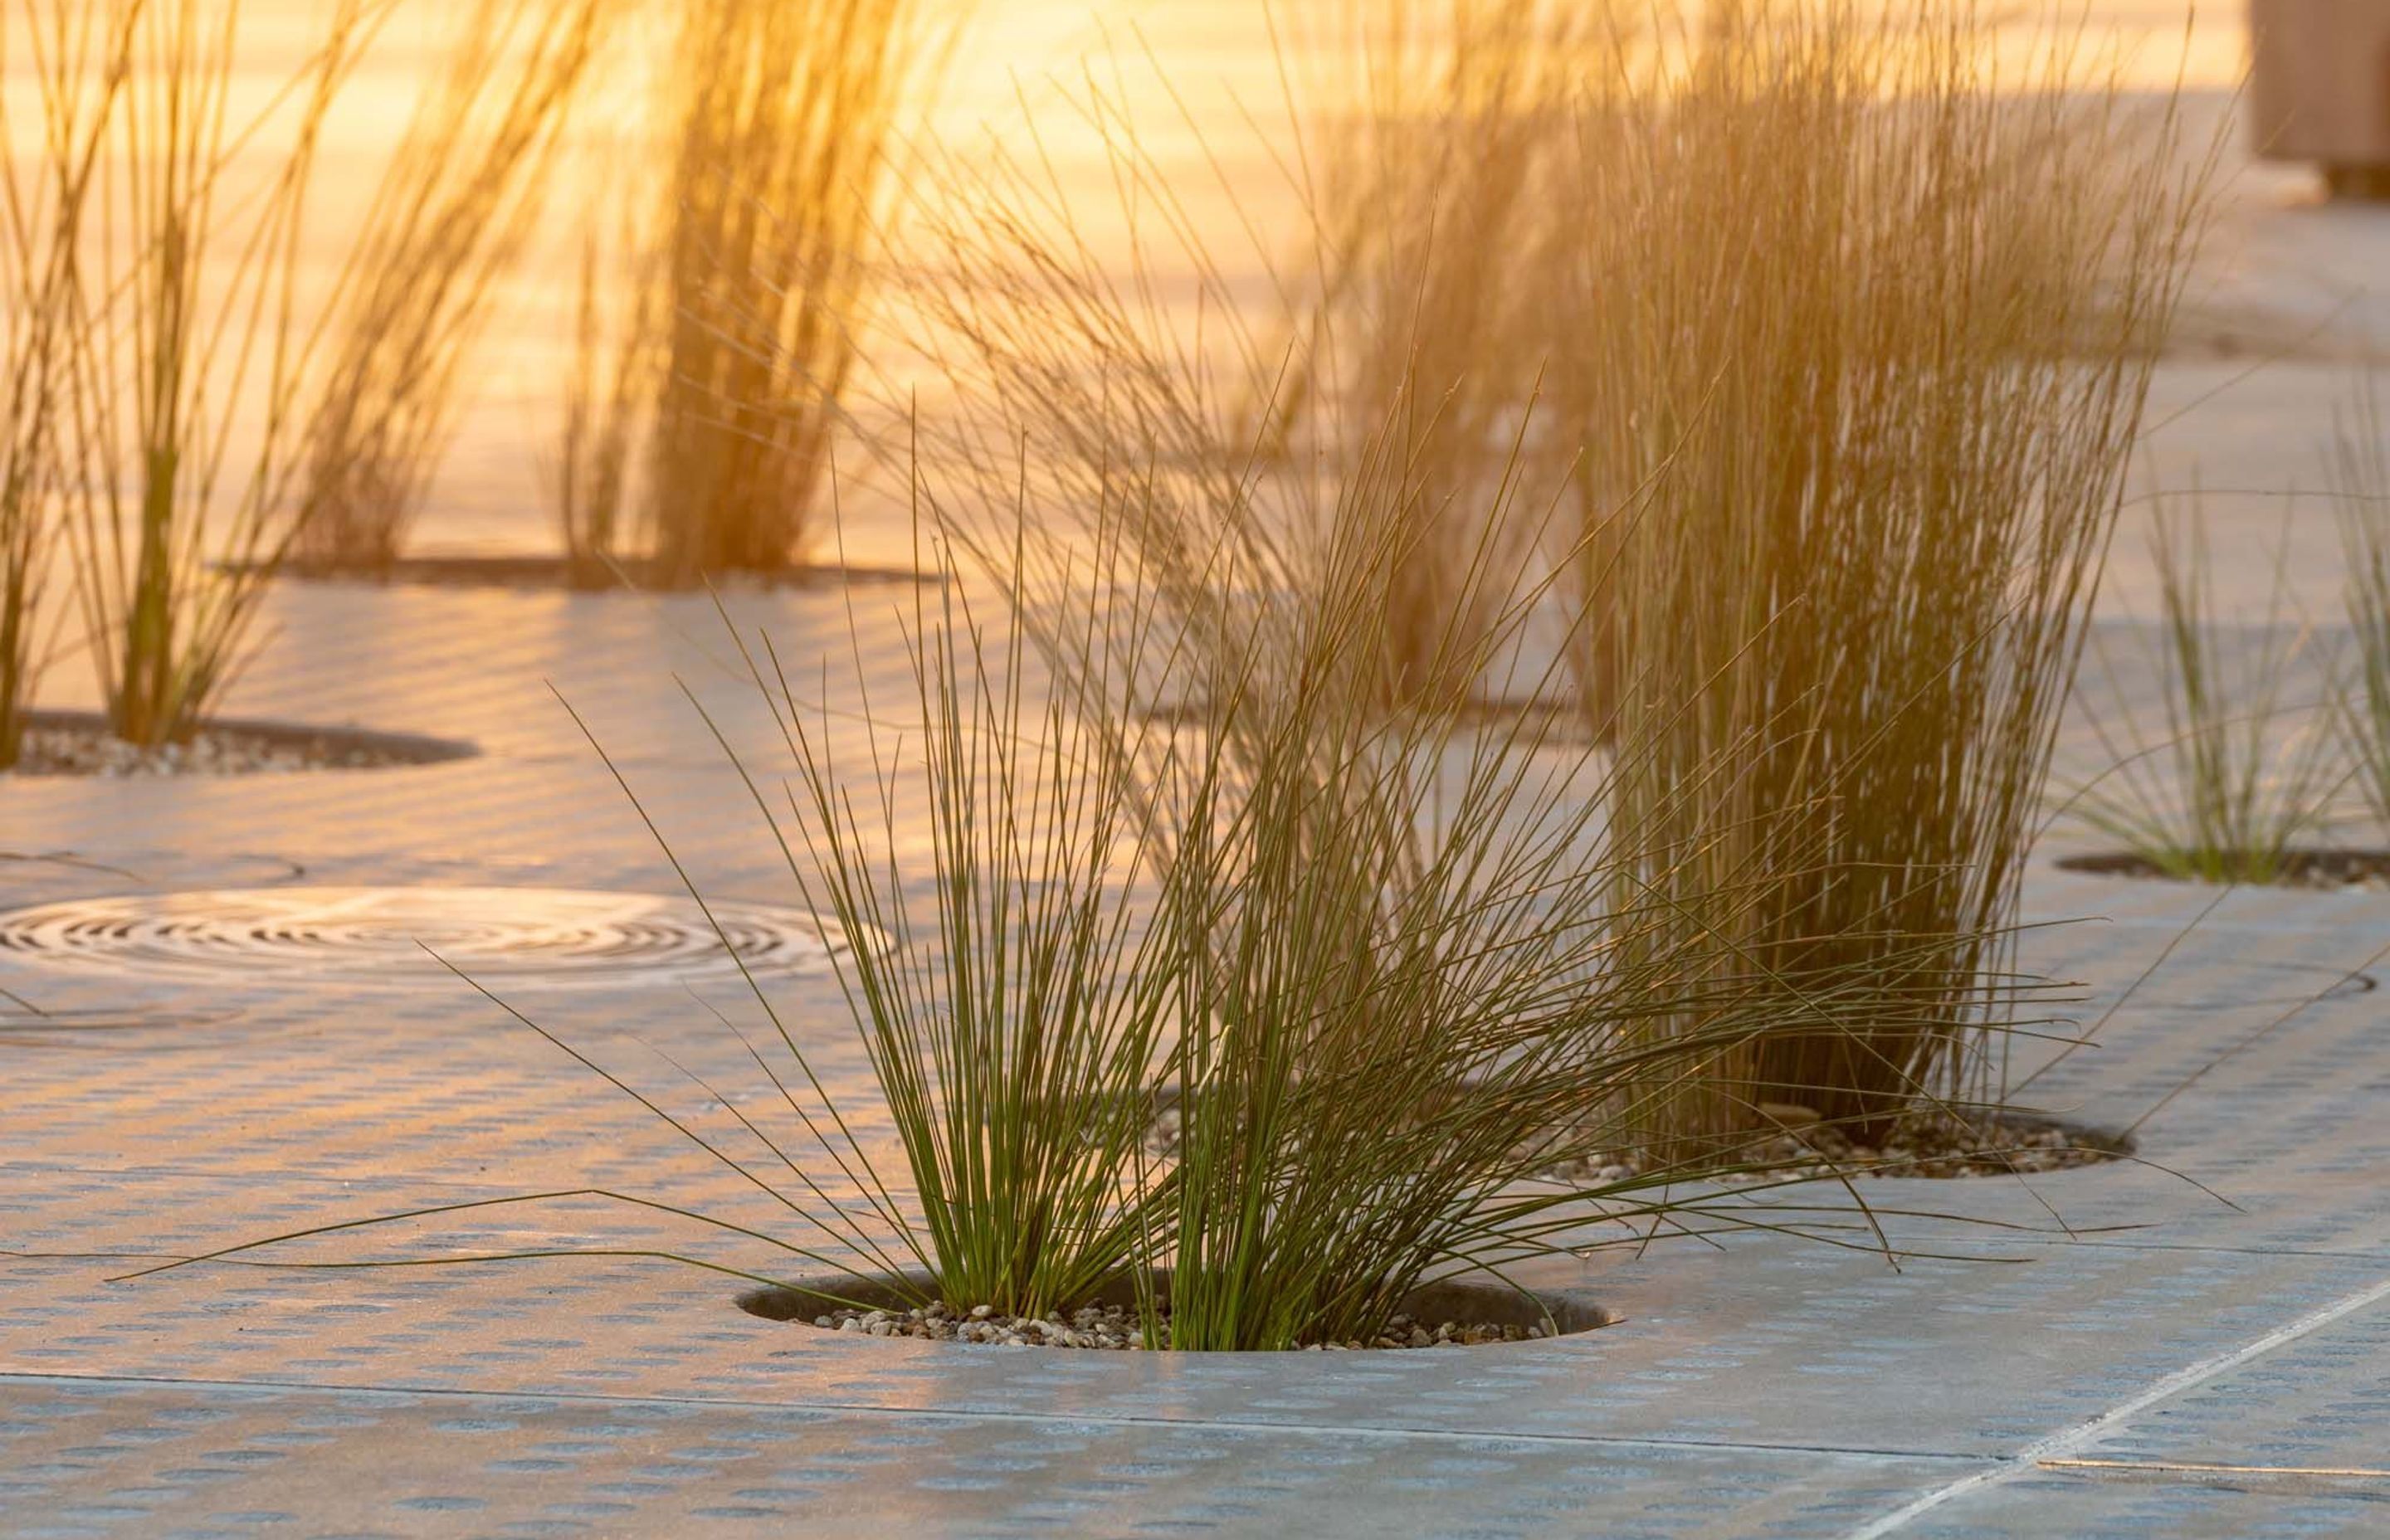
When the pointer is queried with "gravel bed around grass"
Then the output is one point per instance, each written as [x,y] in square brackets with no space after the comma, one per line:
[1118,1329]
[81,748]
[2356,871]
[1934,1146]
[1931,1145]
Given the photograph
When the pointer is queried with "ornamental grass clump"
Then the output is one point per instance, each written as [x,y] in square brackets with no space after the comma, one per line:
[1374,966]
[74,68]
[2232,779]
[721,356]
[462,193]
[1163,318]
[1871,320]
[2359,482]
[190,355]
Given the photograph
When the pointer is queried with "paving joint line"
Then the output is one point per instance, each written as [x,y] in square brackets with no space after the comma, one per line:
[1573,1440]
[2065,1442]
[2197,1468]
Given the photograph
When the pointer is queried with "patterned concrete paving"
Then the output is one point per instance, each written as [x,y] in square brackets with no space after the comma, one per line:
[2001,1381]
[2197,1346]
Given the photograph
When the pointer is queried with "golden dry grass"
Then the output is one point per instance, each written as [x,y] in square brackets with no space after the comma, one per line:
[76,60]
[463,192]
[1856,338]
[190,355]
[711,373]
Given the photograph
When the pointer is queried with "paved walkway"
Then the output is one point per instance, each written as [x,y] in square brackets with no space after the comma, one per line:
[2203,1349]
[2017,1381]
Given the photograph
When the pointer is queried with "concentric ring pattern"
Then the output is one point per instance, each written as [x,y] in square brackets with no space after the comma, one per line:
[501,937]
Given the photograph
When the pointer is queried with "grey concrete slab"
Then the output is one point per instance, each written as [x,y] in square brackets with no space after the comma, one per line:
[192,1460]
[1760,1383]
[2322,1403]
[2125,1507]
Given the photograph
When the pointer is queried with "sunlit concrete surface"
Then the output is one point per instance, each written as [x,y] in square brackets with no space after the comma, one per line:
[2196,1345]
[2058,1370]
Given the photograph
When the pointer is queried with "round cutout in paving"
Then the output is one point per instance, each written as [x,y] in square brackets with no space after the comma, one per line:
[82,743]
[625,576]
[1450,1313]
[2325,870]
[506,938]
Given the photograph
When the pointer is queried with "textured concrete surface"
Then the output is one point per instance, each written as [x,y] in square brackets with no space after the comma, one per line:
[2230,1310]
[2196,1346]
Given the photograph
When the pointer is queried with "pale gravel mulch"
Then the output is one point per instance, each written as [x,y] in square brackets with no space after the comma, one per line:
[1936,1145]
[88,751]
[1117,1328]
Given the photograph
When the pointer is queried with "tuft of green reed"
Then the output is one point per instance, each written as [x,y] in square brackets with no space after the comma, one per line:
[2359,482]
[1856,333]
[2229,783]
[463,191]
[1014,1015]
[77,59]
[720,358]
[190,356]
[1375,966]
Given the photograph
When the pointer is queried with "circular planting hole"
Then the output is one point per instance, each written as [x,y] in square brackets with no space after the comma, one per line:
[1441,1315]
[629,576]
[506,938]
[80,743]
[1800,1145]
[2320,870]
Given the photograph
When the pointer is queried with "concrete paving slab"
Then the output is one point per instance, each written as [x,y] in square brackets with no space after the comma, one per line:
[2125,1507]
[1760,1385]
[193,1460]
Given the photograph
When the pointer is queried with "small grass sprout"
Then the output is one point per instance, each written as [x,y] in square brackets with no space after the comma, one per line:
[2228,784]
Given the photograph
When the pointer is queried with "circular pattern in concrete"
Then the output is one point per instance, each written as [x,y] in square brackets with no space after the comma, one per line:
[506,938]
